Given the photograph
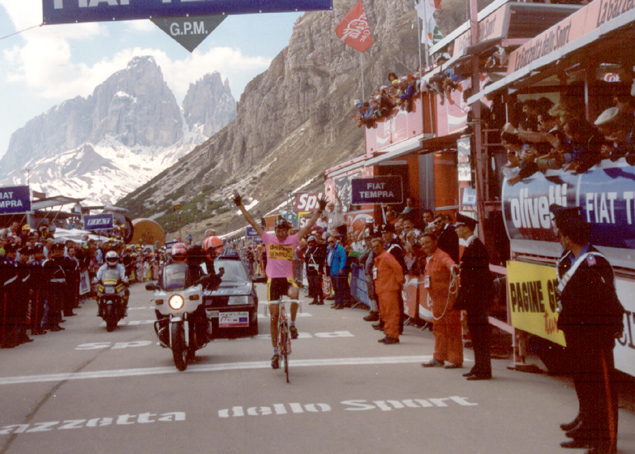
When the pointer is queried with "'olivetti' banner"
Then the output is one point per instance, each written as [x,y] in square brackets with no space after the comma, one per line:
[606,194]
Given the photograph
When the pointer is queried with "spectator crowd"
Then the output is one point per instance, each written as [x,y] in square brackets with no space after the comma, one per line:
[45,278]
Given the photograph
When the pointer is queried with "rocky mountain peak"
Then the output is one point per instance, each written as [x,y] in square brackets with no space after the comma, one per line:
[209,104]
[128,130]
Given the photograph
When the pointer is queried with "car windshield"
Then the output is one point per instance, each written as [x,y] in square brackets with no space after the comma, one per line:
[234,270]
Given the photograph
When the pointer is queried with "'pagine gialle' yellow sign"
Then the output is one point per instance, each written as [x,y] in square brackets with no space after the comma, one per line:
[532,300]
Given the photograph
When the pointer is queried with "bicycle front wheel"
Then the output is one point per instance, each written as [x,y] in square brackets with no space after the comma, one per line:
[285,355]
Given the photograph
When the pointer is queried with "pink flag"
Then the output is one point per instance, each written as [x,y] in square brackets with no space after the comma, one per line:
[354,29]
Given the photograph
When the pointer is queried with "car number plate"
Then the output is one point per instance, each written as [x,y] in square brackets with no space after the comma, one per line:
[110,290]
[233,320]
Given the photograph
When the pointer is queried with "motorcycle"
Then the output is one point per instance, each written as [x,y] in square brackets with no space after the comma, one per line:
[182,324]
[111,292]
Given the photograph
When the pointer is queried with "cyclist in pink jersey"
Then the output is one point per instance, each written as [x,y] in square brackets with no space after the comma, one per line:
[280,280]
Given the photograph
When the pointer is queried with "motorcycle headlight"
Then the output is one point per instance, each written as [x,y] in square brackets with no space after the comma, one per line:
[176,302]
[238,300]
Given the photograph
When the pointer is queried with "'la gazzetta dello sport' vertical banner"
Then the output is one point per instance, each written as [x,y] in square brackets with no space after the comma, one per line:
[15,199]
[606,195]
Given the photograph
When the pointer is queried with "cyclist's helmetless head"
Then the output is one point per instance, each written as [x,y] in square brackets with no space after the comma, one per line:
[282,229]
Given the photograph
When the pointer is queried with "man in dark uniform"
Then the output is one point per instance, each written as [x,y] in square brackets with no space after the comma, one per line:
[23,295]
[474,296]
[448,240]
[314,258]
[8,307]
[56,288]
[591,318]
[38,286]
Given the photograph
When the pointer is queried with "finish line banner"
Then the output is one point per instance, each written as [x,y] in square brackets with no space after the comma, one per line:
[532,300]
[73,11]
[366,191]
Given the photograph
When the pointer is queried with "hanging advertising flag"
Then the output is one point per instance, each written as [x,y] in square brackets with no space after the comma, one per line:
[354,29]
[431,34]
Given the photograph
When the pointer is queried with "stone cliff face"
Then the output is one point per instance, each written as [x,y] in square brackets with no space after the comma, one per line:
[210,104]
[293,120]
[136,106]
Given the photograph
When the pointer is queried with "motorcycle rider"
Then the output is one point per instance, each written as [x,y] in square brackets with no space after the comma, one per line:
[112,262]
[212,245]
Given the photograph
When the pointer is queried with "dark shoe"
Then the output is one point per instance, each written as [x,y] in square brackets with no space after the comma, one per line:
[571,425]
[321,303]
[575,444]
[433,363]
[294,332]
[334,305]
[70,314]
[479,377]
[372,317]
[275,362]
[313,302]
[378,326]
[338,307]
[389,340]
[453,366]
[469,374]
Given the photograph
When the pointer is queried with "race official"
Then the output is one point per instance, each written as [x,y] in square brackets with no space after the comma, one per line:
[389,279]
[475,295]
[437,278]
[591,318]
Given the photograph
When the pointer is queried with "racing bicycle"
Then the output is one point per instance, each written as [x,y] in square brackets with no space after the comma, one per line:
[284,336]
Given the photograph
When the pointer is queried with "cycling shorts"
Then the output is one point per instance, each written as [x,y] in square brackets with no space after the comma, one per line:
[277,287]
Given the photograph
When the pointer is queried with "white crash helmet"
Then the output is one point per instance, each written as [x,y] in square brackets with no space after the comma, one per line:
[112,258]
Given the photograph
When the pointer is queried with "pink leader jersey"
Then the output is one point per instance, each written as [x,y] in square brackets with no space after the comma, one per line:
[280,255]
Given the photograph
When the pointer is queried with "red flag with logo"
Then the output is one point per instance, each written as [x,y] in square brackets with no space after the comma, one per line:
[354,29]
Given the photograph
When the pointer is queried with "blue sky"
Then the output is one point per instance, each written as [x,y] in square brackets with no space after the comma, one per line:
[44,66]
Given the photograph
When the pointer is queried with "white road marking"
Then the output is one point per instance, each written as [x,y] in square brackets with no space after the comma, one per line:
[212,368]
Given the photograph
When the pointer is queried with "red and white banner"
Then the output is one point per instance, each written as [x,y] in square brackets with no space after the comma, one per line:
[354,29]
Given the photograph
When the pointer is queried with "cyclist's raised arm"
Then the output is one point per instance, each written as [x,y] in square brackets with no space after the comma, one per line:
[321,206]
[238,200]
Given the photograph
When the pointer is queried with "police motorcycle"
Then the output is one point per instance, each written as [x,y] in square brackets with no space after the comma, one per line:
[112,291]
[182,324]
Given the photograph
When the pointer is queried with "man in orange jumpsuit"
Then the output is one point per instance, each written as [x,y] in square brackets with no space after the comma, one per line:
[389,279]
[448,341]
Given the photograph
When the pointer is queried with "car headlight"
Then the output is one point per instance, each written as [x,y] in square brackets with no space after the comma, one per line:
[238,300]
[176,302]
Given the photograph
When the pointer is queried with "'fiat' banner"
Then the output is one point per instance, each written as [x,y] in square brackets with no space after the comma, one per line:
[15,199]
[387,189]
